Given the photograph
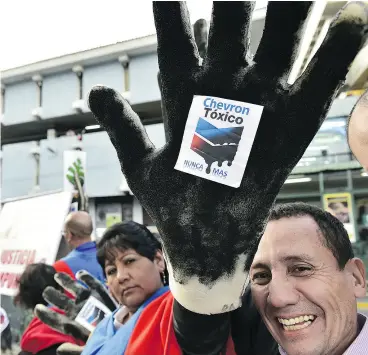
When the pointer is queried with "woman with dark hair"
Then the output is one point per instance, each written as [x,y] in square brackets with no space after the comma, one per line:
[38,338]
[133,263]
[132,260]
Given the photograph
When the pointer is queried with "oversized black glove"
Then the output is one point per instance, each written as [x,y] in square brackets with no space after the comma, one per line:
[66,323]
[210,230]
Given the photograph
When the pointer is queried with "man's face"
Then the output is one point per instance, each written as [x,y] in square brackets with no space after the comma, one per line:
[358,131]
[306,301]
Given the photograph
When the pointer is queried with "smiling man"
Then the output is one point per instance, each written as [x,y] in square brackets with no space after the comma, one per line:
[305,282]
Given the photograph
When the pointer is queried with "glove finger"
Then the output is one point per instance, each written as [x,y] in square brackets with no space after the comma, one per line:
[49,317]
[228,40]
[201,36]
[332,60]
[201,39]
[176,47]
[72,286]
[280,39]
[77,331]
[61,323]
[98,288]
[58,299]
[69,349]
[163,108]
[122,124]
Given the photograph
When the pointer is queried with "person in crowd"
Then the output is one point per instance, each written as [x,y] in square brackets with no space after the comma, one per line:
[134,266]
[38,338]
[357,130]
[305,283]
[77,233]
[136,276]
[5,331]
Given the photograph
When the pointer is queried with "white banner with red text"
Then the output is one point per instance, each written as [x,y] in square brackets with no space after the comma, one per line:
[30,232]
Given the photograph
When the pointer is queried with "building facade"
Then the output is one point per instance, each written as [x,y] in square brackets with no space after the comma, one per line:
[44,113]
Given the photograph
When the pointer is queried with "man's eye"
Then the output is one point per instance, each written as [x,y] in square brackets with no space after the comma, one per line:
[301,270]
[129,261]
[261,278]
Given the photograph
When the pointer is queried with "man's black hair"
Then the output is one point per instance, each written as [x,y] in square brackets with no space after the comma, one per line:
[33,281]
[127,235]
[334,234]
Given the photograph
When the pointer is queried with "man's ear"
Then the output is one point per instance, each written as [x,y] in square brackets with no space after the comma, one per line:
[357,269]
[159,260]
[67,235]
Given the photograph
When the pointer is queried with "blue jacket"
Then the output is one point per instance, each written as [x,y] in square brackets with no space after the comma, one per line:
[81,258]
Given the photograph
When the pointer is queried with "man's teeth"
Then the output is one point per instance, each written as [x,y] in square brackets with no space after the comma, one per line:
[297,322]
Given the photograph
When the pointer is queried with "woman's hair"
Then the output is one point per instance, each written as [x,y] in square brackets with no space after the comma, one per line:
[32,283]
[124,236]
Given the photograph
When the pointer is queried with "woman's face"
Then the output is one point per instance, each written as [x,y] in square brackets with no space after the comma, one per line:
[132,278]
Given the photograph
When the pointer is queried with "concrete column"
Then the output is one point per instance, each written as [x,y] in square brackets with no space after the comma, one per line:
[137,211]
[310,28]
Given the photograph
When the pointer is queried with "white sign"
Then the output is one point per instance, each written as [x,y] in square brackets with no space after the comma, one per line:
[92,313]
[218,138]
[74,166]
[30,232]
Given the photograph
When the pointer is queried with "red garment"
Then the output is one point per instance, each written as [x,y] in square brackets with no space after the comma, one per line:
[39,336]
[154,331]
[62,266]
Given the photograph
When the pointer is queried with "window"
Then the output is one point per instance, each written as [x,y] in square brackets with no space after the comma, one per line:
[111,211]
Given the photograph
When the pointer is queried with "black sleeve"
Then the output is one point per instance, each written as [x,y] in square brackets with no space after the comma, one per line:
[249,333]
[199,334]
[48,351]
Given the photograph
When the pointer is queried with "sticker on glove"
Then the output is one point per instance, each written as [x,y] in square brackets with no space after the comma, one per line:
[92,313]
[218,138]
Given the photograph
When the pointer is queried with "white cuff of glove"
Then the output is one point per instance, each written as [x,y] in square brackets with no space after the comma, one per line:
[222,296]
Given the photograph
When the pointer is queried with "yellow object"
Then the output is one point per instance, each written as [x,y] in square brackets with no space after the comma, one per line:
[354,92]
[112,218]
[362,305]
[340,206]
